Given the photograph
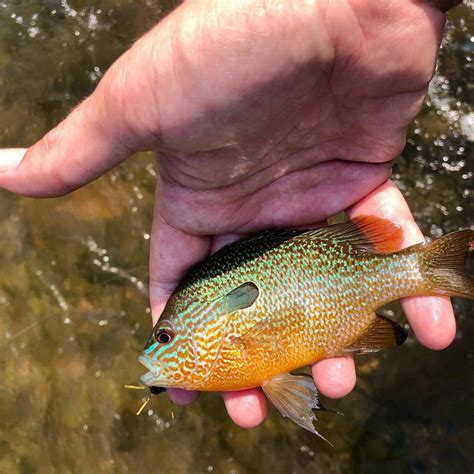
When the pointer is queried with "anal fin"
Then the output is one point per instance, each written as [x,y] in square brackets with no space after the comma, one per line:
[295,397]
[382,333]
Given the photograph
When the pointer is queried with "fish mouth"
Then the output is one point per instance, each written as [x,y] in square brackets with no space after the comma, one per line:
[151,377]
[148,379]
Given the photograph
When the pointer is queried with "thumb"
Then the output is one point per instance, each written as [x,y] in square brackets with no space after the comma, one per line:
[97,135]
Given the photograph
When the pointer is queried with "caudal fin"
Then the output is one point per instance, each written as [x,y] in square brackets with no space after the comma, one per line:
[445,264]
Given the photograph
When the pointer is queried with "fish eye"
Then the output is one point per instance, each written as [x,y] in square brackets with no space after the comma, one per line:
[163,336]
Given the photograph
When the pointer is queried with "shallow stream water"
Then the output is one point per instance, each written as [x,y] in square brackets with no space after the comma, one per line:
[73,289]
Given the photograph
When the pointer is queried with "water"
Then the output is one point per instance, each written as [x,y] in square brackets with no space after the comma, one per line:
[73,300]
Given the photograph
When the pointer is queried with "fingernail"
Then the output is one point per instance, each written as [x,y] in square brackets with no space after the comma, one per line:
[10,158]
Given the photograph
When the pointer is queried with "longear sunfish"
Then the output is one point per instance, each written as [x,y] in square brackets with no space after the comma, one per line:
[283,299]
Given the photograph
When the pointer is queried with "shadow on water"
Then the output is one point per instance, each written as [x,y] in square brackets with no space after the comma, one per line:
[73,299]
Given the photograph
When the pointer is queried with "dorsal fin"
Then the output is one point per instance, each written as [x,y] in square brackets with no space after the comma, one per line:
[368,233]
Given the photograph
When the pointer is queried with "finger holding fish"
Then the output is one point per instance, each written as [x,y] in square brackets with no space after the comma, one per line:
[247,408]
[335,377]
[182,397]
[431,317]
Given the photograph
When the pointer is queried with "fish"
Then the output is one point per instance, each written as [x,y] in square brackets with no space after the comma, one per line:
[269,304]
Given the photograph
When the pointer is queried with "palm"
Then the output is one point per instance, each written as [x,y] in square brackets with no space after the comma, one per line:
[329,117]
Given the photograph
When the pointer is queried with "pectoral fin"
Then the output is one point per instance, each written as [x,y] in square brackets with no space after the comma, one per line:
[382,333]
[241,297]
[295,397]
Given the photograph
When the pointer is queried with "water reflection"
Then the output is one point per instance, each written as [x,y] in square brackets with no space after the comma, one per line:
[74,309]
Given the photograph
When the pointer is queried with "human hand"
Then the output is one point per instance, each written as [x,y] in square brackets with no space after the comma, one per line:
[263,115]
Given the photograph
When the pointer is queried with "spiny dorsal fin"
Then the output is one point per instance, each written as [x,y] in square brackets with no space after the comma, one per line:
[368,233]
[295,397]
[381,333]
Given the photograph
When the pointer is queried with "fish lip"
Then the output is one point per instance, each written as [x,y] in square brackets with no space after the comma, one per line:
[148,379]
[151,377]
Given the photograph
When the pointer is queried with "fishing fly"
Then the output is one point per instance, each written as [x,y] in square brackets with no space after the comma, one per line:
[153,391]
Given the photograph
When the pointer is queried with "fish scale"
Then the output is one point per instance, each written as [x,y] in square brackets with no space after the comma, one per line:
[332,310]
